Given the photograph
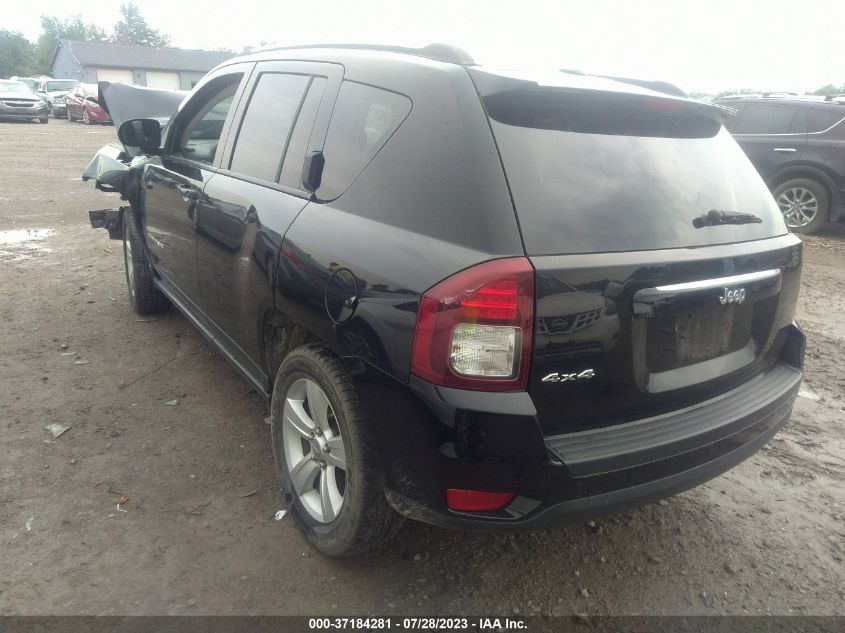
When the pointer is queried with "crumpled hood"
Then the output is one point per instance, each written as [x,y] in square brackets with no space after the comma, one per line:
[124,102]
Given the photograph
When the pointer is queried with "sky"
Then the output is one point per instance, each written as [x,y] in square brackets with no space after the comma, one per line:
[700,46]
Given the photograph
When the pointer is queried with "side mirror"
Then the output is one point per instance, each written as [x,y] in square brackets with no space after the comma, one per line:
[312,171]
[143,133]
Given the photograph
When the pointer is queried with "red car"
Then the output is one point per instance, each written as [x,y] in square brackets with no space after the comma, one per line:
[82,104]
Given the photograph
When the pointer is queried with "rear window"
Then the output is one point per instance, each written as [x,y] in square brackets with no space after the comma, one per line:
[363,120]
[767,119]
[589,177]
[819,120]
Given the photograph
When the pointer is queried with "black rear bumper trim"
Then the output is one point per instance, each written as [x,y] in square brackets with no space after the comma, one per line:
[597,451]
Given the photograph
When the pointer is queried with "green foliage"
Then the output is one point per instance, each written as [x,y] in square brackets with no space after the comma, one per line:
[16,55]
[133,29]
[829,89]
[54,29]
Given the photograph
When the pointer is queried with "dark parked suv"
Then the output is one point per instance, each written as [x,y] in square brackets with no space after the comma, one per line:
[475,298]
[798,146]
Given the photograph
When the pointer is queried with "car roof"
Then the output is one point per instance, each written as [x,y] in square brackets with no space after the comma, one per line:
[353,54]
[799,101]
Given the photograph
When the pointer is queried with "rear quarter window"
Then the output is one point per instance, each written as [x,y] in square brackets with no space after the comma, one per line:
[363,120]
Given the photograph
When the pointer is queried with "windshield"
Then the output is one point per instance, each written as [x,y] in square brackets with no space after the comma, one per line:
[60,85]
[14,86]
[597,174]
[32,83]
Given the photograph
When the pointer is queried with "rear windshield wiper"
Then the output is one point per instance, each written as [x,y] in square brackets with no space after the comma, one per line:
[715,217]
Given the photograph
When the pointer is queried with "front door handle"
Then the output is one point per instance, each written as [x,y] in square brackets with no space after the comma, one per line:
[188,193]
[785,150]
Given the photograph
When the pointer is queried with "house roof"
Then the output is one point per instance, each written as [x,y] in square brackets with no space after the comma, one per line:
[141,57]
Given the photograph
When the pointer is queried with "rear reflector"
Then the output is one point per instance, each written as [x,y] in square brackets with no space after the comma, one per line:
[477,500]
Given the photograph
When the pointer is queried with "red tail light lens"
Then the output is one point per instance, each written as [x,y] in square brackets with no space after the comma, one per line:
[477,500]
[474,329]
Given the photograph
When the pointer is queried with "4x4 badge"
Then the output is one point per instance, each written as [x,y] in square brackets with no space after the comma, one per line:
[737,295]
[557,377]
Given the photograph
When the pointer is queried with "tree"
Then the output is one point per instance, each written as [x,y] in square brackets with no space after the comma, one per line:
[829,89]
[54,29]
[16,54]
[133,29]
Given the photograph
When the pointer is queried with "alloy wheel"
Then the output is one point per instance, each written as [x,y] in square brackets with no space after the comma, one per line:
[799,207]
[314,450]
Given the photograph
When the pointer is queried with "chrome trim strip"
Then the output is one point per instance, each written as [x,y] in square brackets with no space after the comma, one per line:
[719,282]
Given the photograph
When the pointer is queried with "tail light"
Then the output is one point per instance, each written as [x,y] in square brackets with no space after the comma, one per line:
[474,328]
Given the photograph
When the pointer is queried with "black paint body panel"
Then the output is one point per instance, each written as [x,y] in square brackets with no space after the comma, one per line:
[235,252]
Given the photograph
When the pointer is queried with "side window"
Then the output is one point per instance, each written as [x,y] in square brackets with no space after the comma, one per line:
[764,119]
[301,135]
[818,120]
[266,126]
[363,120]
[200,137]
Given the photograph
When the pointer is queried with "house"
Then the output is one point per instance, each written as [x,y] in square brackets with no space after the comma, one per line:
[171,68]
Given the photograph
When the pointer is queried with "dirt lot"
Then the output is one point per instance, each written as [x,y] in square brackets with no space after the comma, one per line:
[197,536]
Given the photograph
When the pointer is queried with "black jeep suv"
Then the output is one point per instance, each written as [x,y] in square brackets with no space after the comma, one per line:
[798,146]
[475,298]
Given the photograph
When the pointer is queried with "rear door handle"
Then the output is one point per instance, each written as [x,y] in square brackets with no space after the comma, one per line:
[785,150]
[188,193]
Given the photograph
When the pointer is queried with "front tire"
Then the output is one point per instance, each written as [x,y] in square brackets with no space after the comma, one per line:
[326,456]
[805,204]
[44,120]
[85,119]
[143,295]
[70,116]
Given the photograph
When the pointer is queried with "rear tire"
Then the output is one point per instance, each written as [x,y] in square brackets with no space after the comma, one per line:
[143,295]
[805,204]
[314,382]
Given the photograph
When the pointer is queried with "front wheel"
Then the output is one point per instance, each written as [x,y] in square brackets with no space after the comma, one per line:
[69,115]
[144,296]
[805,204]
[44,120]
[326,456]
[85,119]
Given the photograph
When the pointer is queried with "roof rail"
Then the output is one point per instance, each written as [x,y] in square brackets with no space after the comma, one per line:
[436,51]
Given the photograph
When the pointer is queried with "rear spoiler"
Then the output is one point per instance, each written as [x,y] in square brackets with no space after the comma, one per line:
[658,86]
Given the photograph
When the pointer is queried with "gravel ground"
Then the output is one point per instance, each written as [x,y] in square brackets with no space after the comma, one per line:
[196,535]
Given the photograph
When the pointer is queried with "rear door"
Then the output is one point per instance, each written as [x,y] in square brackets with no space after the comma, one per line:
[173,186]
[249,204]
[771,134]
[639,312]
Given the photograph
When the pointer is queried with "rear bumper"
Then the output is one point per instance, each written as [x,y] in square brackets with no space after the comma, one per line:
[570,477]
